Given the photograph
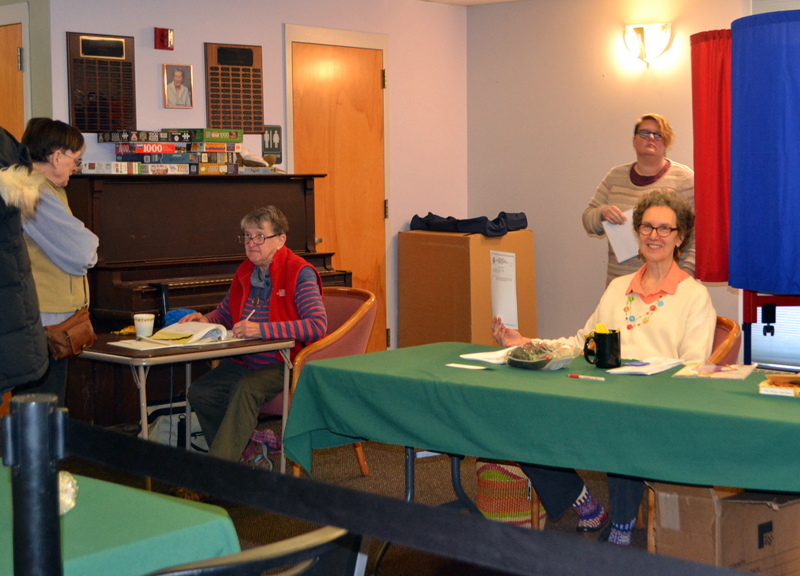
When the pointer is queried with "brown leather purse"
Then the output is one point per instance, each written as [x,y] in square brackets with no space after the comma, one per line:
[72,336]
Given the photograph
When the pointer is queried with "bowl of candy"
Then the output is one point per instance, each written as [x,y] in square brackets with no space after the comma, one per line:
[542,355]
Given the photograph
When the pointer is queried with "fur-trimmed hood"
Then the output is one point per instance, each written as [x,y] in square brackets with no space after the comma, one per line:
[19,187]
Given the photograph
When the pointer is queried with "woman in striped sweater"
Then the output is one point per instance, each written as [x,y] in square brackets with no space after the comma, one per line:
[275,294]
[622,187]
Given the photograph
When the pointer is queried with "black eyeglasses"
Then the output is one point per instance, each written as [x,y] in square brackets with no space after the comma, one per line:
[646,134]
[662,231]
[258,239]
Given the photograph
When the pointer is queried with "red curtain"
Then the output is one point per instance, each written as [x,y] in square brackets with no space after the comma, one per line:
[711,107]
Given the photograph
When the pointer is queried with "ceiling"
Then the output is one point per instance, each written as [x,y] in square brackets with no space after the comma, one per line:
[469,2]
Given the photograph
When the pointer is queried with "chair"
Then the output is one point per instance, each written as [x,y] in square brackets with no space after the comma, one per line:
[727,342]
[351,313]
[326,551]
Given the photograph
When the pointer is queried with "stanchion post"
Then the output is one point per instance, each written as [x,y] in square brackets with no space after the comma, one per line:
[33,443]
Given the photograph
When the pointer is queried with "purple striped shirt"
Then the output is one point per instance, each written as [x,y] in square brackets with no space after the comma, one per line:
[311,326]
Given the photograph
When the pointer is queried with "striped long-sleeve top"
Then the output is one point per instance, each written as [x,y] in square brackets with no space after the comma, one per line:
[310,327]
[617,189]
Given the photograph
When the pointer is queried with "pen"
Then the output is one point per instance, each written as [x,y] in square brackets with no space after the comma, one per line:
[251,313]
[582,377]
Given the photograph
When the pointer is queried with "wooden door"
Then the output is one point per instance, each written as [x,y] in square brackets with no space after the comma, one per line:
[337,96]
[12,111]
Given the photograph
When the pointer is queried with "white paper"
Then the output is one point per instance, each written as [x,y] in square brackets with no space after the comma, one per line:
[504,287]
[654,365]
[622,238]
[493,357]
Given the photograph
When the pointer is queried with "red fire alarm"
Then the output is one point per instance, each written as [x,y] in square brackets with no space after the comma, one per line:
[164,39]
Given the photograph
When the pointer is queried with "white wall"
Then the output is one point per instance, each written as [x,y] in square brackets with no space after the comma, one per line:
[552,100]
[427,80]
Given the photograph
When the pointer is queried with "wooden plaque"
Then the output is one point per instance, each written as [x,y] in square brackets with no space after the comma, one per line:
[234,87]
[102,83]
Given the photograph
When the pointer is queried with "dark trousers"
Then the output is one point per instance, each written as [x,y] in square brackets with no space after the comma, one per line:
[54,381]
[559,488]
[227,401]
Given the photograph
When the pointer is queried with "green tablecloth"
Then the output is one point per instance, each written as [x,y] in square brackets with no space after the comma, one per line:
[127,532]
[695,431]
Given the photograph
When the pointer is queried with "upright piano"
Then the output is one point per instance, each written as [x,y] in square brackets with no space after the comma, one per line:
[171,242]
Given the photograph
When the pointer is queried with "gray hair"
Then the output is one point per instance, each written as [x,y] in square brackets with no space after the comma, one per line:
[276,219]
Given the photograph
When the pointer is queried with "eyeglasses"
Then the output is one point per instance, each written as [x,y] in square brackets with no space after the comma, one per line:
[646,134]
[258,239]
[663,231]
[78,161]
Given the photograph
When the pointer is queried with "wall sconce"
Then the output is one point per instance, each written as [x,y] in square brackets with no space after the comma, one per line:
[647,41]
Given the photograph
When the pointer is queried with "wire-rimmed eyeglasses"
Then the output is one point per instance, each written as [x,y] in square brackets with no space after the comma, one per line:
[258,239]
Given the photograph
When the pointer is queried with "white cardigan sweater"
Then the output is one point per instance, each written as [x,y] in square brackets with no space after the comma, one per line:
[682,328]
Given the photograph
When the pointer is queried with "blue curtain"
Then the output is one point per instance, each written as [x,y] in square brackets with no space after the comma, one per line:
[765,153]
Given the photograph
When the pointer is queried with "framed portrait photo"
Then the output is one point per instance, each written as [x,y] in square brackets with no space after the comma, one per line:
[178,86]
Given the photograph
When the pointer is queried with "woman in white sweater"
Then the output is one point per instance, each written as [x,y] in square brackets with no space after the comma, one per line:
[660,311]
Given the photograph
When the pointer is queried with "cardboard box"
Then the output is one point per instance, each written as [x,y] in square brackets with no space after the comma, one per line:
[444,286]
[750,531]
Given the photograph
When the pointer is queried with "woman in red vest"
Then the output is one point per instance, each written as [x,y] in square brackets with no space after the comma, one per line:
[274,295]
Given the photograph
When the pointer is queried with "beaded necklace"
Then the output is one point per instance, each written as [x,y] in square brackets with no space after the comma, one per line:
[634,321]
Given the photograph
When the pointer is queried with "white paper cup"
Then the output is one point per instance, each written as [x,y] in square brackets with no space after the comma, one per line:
[144,324]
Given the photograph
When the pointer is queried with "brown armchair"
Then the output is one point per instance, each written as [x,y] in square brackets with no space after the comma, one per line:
[351,314]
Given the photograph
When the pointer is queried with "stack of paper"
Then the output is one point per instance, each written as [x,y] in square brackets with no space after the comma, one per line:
[493,357]
[648,366]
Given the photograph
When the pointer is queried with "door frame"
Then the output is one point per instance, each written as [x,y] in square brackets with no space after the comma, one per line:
[18,14]
[329,36]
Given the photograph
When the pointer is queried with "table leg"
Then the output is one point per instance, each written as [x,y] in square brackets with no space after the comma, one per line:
[455,476]
[188,426]
[140,378]
[287,364]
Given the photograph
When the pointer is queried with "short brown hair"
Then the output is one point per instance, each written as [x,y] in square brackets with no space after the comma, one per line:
[43,136]
[667,135]
[276,219]
[684,215]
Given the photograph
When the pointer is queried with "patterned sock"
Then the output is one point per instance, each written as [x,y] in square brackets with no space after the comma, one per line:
[621,533]
[590,511]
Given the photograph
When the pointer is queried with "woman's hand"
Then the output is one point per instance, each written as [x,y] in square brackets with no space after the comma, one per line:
[193,317]
[247,329]
[506,336]
[612,215]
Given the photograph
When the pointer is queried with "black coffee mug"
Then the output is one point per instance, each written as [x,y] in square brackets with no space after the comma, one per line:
[607,350]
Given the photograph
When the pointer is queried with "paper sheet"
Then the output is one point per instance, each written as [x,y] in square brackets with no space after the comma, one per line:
[648,366]
[493,357]
[504,287]
[622,238]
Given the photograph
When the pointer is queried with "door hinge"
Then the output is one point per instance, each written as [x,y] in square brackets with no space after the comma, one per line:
[388,337]
[384,78]
[19,58]
[385,208]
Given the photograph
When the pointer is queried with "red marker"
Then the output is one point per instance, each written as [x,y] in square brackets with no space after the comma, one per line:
[582,377]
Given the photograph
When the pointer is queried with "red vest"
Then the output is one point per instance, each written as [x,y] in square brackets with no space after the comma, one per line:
[283,272]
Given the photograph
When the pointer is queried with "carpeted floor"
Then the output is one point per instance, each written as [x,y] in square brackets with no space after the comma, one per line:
[338,466]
